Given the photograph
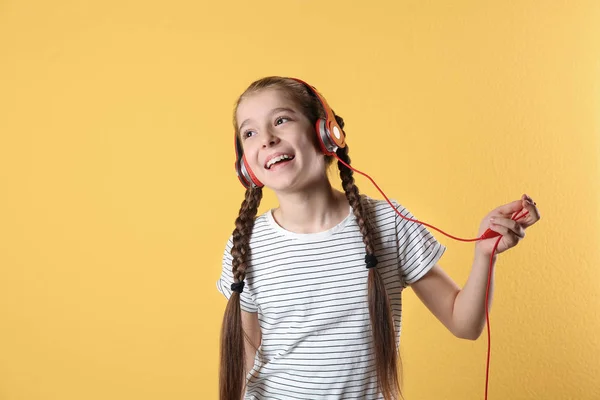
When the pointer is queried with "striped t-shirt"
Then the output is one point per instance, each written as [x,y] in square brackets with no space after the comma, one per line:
[310,293]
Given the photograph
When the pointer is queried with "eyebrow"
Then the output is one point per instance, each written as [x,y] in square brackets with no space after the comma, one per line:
[273,111]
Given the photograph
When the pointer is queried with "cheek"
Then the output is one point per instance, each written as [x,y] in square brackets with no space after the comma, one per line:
[314,156]
[310,141]
[251,156]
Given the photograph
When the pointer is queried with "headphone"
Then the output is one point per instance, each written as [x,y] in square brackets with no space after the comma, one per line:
[329,134]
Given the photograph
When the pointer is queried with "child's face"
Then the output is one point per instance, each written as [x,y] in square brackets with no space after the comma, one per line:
[270,124]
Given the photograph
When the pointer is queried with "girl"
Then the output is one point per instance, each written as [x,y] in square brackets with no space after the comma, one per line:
[314,286]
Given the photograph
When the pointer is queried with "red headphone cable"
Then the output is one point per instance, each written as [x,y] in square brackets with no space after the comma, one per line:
[487,235]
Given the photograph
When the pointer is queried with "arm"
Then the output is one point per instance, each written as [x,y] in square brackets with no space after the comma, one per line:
[253,338]
[461,311]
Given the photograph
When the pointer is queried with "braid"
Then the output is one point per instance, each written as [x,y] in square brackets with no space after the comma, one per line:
[353,196]
[232,374]
[382,322]
[352,192]
[241,234]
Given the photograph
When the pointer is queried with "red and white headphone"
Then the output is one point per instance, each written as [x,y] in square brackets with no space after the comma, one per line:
[329,134]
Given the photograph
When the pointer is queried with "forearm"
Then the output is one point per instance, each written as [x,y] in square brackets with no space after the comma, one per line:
[250,354]
[469,306]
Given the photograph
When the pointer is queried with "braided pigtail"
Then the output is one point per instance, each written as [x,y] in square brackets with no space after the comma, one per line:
[232,376]
[382,322]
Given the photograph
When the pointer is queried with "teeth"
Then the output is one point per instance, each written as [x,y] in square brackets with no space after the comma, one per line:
[277,159]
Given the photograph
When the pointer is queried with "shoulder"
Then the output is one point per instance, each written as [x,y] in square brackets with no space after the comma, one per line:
[263,230]
[381,215]
[381,208]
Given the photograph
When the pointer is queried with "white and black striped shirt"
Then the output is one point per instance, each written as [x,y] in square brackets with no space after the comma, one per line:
[310,293]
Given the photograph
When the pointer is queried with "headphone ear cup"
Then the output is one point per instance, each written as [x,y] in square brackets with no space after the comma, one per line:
[249,175]
[321,130]
[244,173]
[241,176]
[327,142]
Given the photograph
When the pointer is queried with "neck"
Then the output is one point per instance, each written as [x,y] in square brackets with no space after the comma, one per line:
[312,210]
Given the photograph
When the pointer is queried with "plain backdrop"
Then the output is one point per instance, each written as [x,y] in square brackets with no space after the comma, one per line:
[118,194]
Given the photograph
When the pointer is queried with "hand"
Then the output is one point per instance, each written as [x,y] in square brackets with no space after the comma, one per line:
[512,231]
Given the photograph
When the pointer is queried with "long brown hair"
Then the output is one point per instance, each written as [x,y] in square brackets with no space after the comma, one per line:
[232,374]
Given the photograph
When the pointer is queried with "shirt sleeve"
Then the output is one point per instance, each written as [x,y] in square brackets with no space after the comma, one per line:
[247,302]
[418,249]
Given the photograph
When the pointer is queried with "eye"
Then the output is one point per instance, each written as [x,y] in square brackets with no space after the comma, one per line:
[280,119]
[247,134]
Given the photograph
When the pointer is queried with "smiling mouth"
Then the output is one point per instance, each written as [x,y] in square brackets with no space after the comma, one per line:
[278,160]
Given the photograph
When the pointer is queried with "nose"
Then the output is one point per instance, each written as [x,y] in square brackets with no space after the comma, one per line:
[269,139]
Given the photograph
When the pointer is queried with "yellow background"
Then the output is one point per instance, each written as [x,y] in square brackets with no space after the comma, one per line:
[118,193]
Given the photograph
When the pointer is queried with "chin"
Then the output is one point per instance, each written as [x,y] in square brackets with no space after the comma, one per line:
[295,181]
[281,186]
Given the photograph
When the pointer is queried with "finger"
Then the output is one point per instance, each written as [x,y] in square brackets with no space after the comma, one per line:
[533,214]
[510,208]
[509,226]
[509,237]
[526,197]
